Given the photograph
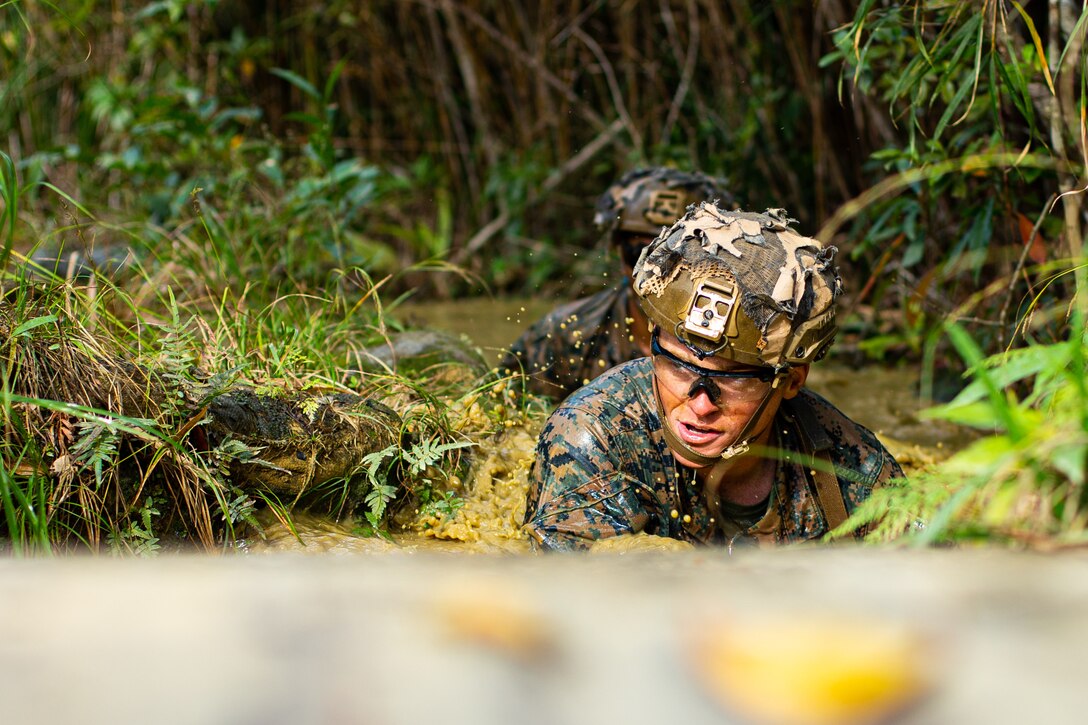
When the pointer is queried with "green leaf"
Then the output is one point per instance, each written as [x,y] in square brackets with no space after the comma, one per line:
[306,118]
[297,81]
[373,461]
[430,452]
[980,459]
[378,499]
[1016,365]
[968,84]
[330,83]
[972,355]
[1039,50]
[1072,37]
[914,252]
[1014,80]
[966,33]
[9,193]
[83,210]
[31,324]
[1070,460]
[975,415]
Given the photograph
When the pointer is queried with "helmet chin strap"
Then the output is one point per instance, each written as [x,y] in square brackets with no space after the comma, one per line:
[739,447]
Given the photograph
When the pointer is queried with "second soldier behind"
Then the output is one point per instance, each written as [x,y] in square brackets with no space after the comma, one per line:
[578,341]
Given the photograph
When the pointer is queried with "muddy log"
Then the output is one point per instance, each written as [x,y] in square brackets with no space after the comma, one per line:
[297,450]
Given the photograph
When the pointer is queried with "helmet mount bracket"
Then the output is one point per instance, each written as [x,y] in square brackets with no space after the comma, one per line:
[710,314]
[665,207]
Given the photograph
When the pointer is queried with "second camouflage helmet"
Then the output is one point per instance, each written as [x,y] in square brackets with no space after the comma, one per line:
[741,286]
[645,200]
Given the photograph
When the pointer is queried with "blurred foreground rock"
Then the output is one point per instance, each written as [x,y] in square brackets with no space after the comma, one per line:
[934,636]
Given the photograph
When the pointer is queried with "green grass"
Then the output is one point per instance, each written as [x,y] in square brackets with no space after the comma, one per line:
[1022,482]
[104,385]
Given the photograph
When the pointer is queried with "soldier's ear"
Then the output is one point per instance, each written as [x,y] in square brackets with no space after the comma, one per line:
[795,381]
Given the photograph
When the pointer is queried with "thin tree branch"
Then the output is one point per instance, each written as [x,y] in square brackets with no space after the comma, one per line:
[480,238]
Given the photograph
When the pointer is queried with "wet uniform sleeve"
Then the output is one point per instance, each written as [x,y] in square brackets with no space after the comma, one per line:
[535,356]
[863,465]
[890,469]
[578,490]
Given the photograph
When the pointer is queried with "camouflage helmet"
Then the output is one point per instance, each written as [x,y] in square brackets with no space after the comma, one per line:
[741,286]
[645,200]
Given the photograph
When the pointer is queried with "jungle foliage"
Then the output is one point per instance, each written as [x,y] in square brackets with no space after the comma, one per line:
[331,134]
[116,436]
[992,101]
[246,189]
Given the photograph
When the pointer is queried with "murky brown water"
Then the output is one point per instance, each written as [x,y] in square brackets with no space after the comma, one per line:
[493,324]
[883,399]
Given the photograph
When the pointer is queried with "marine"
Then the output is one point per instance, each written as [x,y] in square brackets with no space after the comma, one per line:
[712,438]
[580,340]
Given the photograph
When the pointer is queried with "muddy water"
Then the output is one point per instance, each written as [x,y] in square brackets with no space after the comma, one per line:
[884,399]
[492,324]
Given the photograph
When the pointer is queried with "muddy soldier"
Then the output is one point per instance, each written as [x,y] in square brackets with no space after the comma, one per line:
[713,437]
[578,341]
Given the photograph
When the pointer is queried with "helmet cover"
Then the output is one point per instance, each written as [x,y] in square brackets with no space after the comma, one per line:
[741,286]
[646,200]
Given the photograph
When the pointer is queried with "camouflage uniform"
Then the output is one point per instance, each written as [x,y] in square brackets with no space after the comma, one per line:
[603,468]
[574,343]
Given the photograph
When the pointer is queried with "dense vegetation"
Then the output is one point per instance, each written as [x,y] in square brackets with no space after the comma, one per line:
[276,176]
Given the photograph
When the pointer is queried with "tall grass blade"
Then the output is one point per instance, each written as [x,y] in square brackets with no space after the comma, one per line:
[1072,38]
[9,193]
[972,355]
[1039,49]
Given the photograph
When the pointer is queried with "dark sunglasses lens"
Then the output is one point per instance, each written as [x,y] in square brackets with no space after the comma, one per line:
[686,379]
[709,387]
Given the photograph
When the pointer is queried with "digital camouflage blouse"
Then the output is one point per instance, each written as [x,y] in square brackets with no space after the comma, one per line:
[574,343]
[603,469]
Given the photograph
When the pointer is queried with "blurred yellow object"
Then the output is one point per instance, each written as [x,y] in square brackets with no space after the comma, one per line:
[248,68]
[820,671]
[489,614]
